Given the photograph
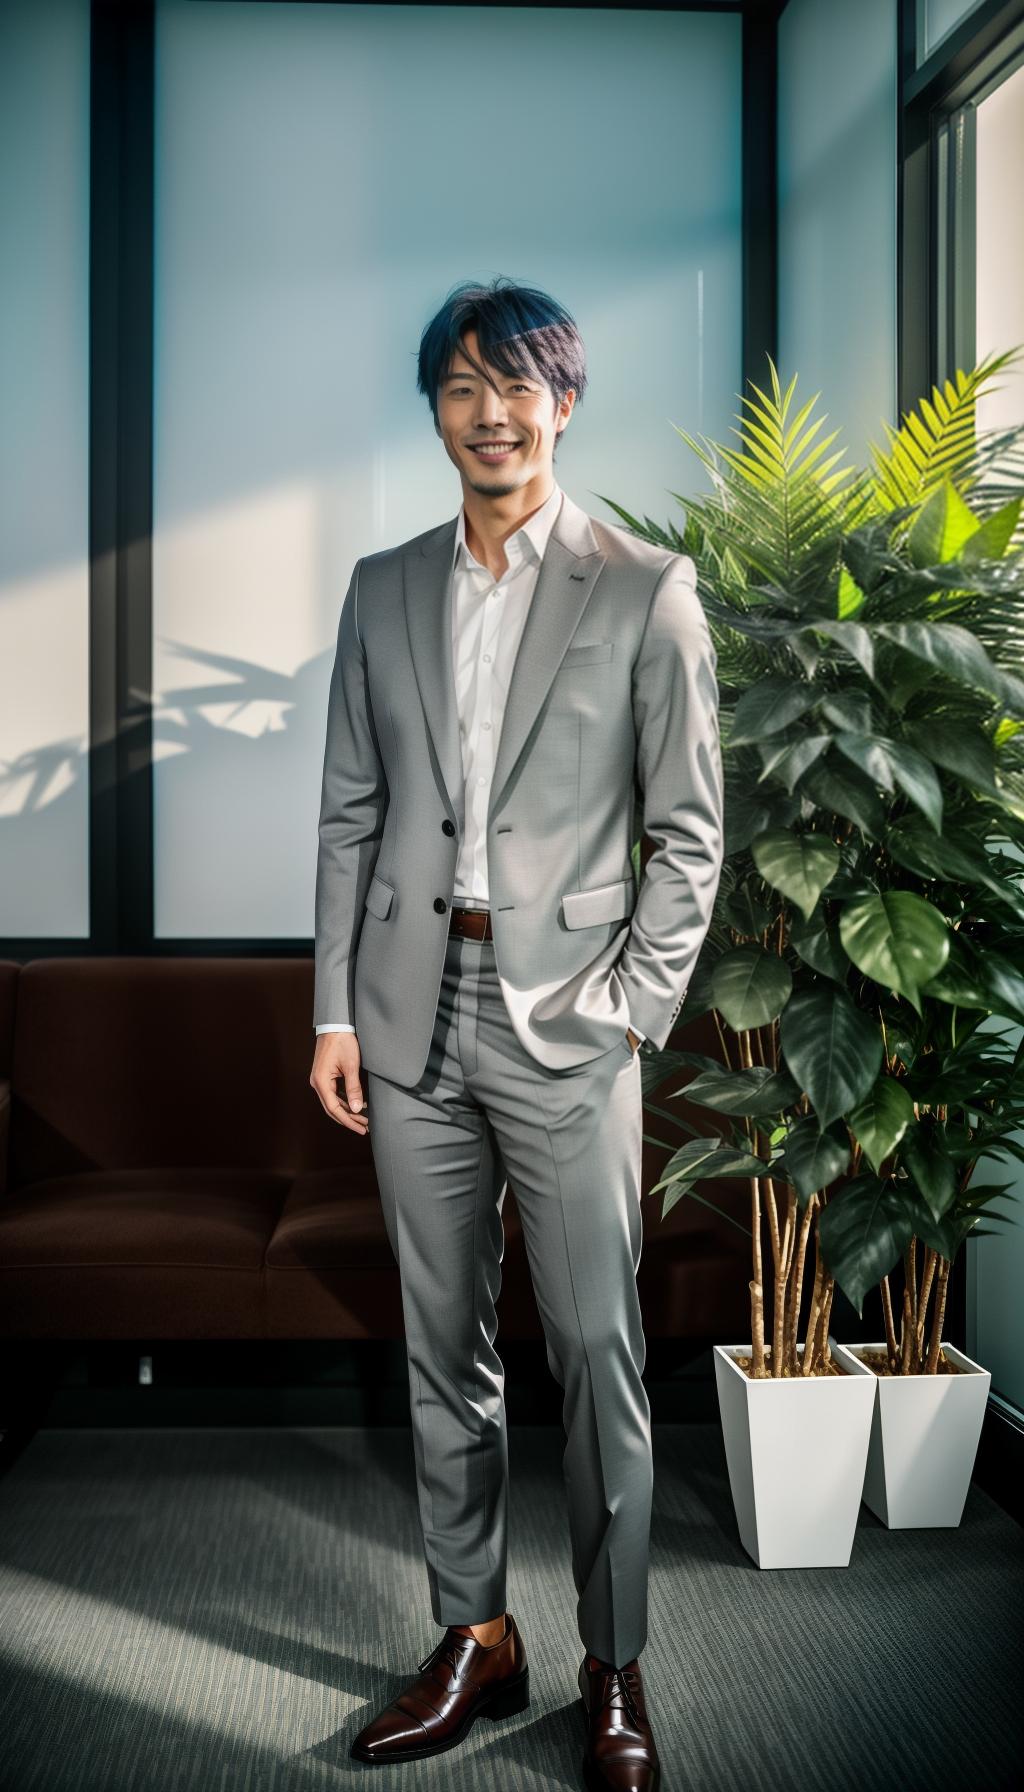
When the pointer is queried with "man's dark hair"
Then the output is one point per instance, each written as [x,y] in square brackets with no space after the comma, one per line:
[519,330]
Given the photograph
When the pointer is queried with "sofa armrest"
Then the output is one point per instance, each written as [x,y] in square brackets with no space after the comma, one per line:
[5,1130]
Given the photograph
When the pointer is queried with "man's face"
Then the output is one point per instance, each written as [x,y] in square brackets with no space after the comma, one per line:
[516,409]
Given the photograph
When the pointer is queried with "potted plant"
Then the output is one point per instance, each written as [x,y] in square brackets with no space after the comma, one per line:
[867,945]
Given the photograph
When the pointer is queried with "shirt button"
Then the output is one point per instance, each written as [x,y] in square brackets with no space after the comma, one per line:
[487,659]
[487,724]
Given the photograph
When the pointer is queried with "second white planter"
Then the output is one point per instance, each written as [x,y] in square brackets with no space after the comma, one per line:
[925,1432]
[796,1451]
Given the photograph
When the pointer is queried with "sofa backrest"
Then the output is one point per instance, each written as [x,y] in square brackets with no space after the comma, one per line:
[124,1063]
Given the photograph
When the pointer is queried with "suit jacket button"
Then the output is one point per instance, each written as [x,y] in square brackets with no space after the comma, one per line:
[447,827]
[440,904]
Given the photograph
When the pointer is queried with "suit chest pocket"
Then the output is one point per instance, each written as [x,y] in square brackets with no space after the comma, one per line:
[587,653]
[580,685]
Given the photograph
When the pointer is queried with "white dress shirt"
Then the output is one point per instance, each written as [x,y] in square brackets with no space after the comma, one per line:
[488,616]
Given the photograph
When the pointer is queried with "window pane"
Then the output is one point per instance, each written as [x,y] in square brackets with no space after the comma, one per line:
[936,18]
[324,175]
[44,481]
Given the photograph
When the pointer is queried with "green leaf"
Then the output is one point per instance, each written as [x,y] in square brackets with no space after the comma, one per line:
[959,655]
[832,1049]
[771,704]
[879,1122]
[1003,984]
[896,938]
[995,535]
[813,1159]
[850,595]
[852,636]
[817,942]
[941,527]
[750,986]
[961,748]
[745,911]
[701,1159]
[758,1090]
[864,1230]
[837,790]
[800,865]
[891,762]
[747,814]
[923,1153]
[849,709]
[950,860]
[948,1234]
[789,761]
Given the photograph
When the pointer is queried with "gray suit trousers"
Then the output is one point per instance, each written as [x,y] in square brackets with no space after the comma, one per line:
[570,1141]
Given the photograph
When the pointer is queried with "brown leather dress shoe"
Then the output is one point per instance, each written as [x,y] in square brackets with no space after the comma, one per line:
[620,1755]
[459,1681]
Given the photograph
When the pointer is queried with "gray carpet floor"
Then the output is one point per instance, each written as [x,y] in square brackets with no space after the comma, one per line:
[210,1610]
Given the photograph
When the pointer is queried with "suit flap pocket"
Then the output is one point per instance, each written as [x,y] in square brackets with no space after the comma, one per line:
[378,897]
[586,652]
[609,902]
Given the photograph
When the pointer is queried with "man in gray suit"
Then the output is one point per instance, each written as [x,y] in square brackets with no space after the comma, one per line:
[506,687]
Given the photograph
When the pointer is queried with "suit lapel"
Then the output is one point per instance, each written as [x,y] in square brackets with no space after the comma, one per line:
[568,573]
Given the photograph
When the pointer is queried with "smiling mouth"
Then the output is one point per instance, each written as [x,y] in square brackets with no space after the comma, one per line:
[493,451]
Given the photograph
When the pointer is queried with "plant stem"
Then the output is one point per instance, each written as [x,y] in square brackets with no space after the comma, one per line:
[927,1277]
[906,1331]
[938,1316]
[798,1285]
[756,1284]
[826,1314]
[890,1329]
[807,1363]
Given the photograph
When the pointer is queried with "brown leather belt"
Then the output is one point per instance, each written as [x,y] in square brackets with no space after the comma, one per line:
[470,923]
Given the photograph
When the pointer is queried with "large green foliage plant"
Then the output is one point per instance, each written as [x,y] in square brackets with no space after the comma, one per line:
[865,962]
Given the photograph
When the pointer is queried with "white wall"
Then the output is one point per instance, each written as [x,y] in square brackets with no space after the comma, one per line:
[44,479]
[318,191]
[837,211]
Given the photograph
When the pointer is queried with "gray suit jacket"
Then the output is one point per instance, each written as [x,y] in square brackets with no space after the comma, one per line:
[612,700]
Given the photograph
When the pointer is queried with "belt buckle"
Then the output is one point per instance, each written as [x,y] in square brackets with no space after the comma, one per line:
[469,923]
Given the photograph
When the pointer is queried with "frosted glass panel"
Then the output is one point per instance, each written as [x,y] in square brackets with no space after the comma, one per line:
[321,183]
[44,439]
[837,211]
[938,17]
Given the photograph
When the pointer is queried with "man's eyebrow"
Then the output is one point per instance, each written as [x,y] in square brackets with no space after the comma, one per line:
[475,376]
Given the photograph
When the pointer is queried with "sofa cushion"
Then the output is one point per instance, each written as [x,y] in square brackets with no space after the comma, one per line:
[331,1221]
[120,1063]
[137,1254]
[219,1218]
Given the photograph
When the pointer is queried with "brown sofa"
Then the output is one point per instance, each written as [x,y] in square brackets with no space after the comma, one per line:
[166,1171]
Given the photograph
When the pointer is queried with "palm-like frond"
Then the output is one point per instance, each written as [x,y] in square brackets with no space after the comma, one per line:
[779,501]
[938,437]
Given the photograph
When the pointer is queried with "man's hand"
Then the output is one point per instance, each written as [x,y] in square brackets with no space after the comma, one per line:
[337,1057]
[633,1040]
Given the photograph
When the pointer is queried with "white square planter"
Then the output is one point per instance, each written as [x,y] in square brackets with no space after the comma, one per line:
[925,1431]
[796,1451]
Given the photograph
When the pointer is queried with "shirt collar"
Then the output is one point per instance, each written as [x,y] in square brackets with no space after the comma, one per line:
[532,537]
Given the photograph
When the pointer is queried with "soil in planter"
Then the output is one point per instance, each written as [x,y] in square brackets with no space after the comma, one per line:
[878,1361]
[746,1363]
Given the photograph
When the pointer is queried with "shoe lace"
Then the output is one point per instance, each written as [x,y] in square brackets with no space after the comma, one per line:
[627,1682]
[446,1650]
